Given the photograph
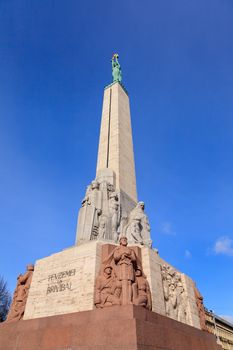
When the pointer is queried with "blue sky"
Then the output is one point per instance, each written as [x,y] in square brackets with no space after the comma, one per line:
[176,58]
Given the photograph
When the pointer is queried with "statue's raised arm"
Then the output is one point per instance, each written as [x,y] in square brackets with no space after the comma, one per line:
[116,68]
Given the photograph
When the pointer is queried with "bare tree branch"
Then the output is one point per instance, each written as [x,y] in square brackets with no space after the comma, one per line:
[5,299]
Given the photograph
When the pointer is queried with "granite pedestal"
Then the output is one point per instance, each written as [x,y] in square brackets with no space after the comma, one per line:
[114,328]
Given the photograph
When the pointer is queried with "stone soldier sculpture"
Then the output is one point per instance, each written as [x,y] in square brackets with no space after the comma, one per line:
[107,290]
[141,290]
[125,261]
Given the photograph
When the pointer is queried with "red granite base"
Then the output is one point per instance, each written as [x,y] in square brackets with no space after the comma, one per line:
[114,328]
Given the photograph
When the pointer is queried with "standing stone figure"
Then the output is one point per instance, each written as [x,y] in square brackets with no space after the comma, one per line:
[88,219]
[114,209]
[121,279]
[102,227]
[134,230]
[171,301]
[125,261]
[181,303]
[20,295]
[141,291]
[137,229]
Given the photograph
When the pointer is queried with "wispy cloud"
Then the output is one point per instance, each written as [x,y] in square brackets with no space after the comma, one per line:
[167,229]
[187,254]
[224,245]
[227,318]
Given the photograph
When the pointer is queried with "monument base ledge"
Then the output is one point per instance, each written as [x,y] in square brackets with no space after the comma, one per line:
[114,328]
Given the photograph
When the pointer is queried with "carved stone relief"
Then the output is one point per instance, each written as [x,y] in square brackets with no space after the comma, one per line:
[121,280]
[107,289]
[115,214]
[141,290]
[174,294]
[20,295]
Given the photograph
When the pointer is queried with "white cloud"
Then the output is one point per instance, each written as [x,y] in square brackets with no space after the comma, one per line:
[167,229]
[224,245]
[187,254]
[227,318]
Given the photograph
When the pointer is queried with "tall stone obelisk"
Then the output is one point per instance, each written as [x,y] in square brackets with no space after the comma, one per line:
[115,142]
[109,208]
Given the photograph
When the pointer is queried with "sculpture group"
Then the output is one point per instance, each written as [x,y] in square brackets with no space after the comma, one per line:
[121,280]
[100,214]
[174,294]
[101,217]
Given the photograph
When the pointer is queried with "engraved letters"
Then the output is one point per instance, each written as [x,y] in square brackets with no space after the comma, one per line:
[59,282]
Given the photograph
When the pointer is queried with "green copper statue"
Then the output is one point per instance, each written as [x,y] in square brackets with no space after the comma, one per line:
[116,68]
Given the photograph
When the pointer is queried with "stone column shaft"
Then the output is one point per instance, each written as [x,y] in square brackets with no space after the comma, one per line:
[116,144]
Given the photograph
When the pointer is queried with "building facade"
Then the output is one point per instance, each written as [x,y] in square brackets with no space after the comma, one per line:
[222,329]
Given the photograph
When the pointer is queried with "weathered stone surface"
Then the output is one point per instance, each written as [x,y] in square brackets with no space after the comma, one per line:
[115,328]
[64,282]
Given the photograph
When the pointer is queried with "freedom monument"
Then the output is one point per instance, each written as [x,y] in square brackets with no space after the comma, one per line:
[111,290]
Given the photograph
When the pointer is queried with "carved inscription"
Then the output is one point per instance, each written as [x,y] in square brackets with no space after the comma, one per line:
[59,282]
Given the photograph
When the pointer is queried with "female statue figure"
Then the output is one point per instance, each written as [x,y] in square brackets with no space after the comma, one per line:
[116,68]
